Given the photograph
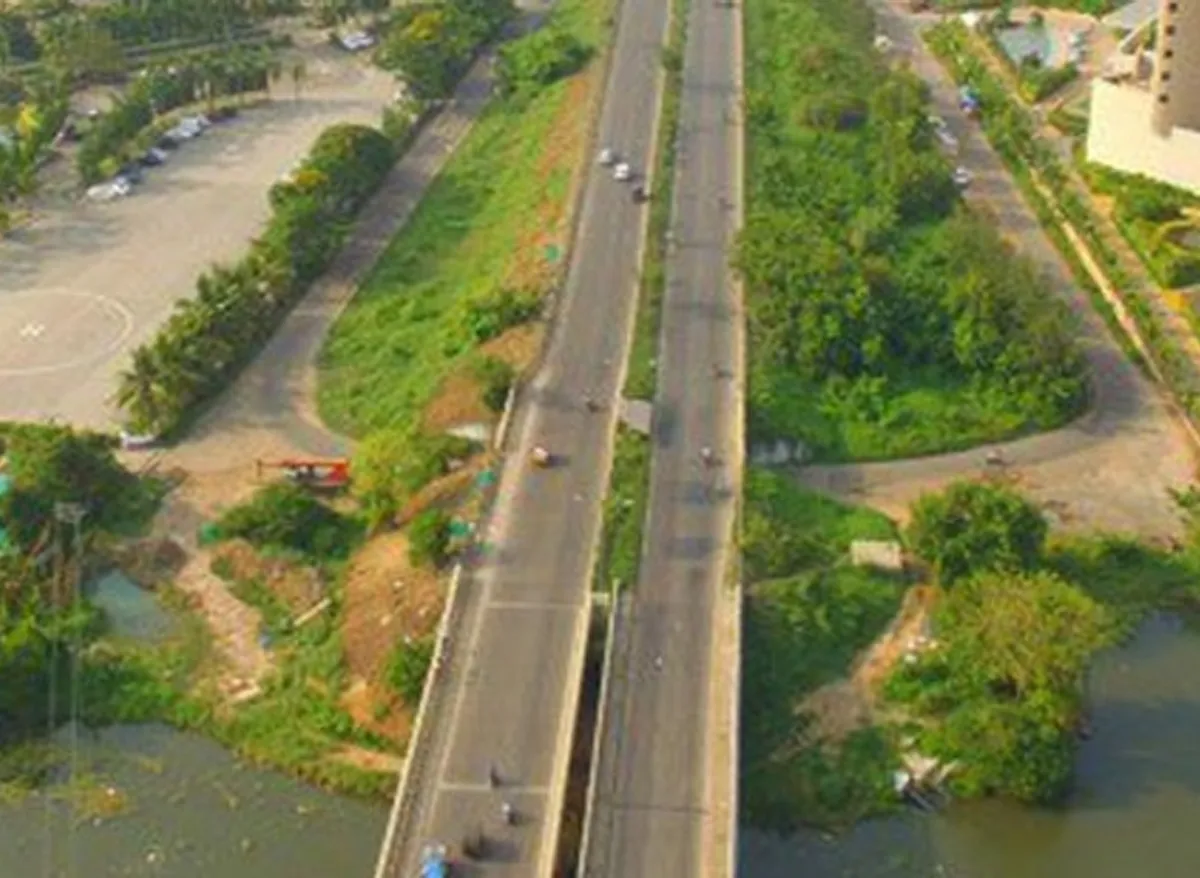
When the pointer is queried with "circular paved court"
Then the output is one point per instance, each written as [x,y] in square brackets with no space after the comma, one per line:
[43,331]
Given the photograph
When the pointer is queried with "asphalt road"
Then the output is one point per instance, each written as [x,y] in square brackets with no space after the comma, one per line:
[512,673]
[653,810]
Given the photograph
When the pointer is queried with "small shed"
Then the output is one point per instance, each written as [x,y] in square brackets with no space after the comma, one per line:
[884,554]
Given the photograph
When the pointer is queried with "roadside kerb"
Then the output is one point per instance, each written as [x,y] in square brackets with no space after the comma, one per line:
[432,679]
[616,612]
[501,434]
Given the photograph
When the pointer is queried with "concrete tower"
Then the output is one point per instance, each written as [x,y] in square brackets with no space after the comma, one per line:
[1176,79]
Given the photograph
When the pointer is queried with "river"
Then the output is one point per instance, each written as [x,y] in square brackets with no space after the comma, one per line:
[1135,810]
[191,811]
[183,806]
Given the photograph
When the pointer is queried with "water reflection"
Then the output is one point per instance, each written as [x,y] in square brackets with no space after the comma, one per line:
[193,812]
[1136,810]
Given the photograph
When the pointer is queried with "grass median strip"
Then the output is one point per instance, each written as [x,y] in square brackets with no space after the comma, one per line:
[629,481]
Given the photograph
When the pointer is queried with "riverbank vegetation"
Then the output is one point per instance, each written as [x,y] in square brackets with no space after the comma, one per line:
[983,669]
[884,319]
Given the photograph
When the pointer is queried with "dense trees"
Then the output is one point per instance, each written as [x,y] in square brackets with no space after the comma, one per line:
[866,280]
[236,308]
[1006,683]
[430,45]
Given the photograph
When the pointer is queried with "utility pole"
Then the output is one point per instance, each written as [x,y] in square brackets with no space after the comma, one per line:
[72,514]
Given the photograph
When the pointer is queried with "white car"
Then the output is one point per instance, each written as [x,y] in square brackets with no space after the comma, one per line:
[118,188]
[962,177]
[607,156]
[622,172]
[357,41]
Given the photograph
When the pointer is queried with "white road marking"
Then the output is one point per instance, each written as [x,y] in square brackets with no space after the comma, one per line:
[32,330]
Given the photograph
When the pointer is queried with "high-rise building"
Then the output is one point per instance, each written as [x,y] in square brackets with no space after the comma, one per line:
[1145,114]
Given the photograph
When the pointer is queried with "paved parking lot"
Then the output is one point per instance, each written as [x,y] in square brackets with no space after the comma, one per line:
[87,282]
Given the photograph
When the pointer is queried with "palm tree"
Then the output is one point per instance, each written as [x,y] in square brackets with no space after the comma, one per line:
[143,393]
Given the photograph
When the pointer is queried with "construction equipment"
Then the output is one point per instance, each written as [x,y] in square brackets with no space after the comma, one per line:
[329,475]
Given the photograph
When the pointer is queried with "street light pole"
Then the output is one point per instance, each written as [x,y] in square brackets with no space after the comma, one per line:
[72,514]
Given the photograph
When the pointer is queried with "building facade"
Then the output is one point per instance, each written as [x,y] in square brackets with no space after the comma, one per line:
[1146,117]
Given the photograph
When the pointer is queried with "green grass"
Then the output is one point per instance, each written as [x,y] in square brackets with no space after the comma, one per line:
[807,614]
[408,325]
[789,530]
[624,511]
[880,418]
[1128,577]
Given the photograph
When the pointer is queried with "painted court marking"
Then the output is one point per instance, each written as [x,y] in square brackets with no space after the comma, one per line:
[33,330]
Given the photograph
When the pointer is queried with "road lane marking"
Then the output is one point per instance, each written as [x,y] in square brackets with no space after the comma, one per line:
[517,790]
[534,605]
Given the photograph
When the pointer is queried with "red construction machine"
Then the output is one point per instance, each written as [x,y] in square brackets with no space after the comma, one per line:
[321,475]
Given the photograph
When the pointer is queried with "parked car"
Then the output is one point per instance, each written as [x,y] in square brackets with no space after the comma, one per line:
[962,177]
[622,172]
[153,157]
[115,188]
[607,156]
[356,41]
[131,172]
[166,143]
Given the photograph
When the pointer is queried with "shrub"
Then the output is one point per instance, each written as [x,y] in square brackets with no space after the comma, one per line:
[973,526]
[390,466]
[407,668]
[489,317]
[429,538]
[539,59]
[286,516]
[497,378]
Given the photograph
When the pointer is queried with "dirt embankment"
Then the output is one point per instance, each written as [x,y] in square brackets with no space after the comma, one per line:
[843,706]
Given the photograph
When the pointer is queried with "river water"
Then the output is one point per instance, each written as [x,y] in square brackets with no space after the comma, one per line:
[1135,811]
[187,807]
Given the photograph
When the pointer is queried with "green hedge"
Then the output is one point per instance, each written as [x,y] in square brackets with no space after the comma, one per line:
[210,337]
[1013,135]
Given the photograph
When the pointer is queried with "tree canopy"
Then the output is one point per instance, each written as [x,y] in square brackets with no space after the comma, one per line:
[866,277]
[974,526]
[1005,683]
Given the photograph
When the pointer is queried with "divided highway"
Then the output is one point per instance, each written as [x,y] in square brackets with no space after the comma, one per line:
[661,804]
[507,691]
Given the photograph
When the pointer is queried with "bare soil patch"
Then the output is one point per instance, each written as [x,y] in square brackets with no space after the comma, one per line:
[844,706]
[298,586]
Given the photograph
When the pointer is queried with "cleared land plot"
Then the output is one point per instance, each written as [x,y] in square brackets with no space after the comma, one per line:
[87,282]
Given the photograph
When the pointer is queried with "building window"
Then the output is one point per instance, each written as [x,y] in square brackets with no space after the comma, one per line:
[1166,76]
[1164,99]
[1172,7]
[1169,30]
[1168,53]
